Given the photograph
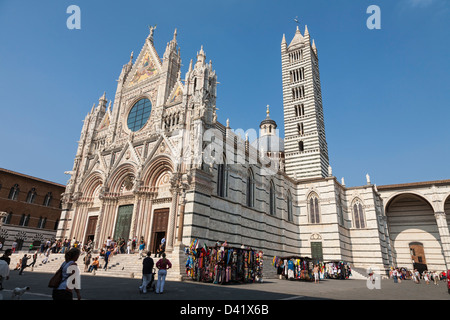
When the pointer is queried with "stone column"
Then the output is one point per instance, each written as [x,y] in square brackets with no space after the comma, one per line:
[134,218]
[442,225]
[97,242]
[172,217]
[181,219]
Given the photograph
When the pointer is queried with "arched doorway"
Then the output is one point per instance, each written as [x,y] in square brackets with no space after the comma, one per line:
[414,233]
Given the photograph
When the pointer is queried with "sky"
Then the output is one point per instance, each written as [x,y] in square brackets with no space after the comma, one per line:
[385,91]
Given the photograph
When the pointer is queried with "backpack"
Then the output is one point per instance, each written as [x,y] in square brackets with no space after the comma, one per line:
[55,281]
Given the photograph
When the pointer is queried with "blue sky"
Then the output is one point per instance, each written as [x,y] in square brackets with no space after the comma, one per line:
[385,92]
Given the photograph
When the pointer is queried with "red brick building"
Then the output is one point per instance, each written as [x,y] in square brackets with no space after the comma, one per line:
[31,209]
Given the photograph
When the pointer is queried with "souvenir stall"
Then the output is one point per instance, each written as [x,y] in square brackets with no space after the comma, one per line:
[223,264]
[294,268]
[337,270]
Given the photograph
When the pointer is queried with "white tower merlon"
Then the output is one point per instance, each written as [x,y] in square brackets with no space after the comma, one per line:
[305,144]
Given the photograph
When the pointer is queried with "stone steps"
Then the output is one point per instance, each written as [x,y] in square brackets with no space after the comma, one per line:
[120,265]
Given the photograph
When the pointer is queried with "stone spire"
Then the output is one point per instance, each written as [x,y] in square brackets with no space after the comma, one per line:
[298,38]
[314,47]
[102,101]
[201,56]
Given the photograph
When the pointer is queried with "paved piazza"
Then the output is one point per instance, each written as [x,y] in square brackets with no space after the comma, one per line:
[106,288]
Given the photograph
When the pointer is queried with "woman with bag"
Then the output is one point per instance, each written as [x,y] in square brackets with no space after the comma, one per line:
[163,264]
[61,291]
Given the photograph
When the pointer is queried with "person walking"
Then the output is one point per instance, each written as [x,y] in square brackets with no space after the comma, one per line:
[14,246]
[426,277]
[417,276]
[63,291]
[436,278]
[35,255]
[129,244]
[147,273]
[47,254]
[395,275]
[107,256]
[316,273]
[163,265]
[141,249]
[87,260]
[24,263]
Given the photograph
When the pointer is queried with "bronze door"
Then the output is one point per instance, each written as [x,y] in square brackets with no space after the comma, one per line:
[123,223]
[159,229]
[90,231]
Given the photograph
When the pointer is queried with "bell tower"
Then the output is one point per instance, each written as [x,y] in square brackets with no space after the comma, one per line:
[306,151]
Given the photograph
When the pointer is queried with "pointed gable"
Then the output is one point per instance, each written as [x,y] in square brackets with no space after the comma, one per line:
[147,65]
[298,38]
[176,95]
[105,122]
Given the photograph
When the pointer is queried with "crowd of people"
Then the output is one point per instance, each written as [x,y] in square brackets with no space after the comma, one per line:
[399,274]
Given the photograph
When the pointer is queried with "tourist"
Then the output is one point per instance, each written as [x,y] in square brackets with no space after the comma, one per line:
[316,273]
[87,260]
[34,260]
[63,292]
[416,276]
[47,254]
[395,275]
[129,244]
[163,265]
[147,273]
[14,246]
[426,277]
[141,249]
[24,264]
[108,243]
[436,278]
[94,266]
[107,257]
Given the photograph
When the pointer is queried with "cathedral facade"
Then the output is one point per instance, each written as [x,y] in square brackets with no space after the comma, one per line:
[157,164]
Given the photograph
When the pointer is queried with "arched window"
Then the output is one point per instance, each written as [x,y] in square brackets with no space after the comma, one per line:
[48,199]
[31,196]
[24,220]
[14,192]
[7,219]
[313,208]
[222,179]
[358,214]
[42,222]
[250,189]
[289,207]
[340,212]
[55,227]
[301,146]
[272,197]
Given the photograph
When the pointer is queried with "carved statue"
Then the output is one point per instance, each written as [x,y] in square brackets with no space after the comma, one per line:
[152,30]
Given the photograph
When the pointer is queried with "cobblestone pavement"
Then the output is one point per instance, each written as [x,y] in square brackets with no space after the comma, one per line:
[106,288]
